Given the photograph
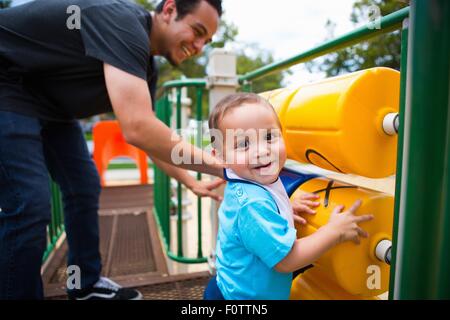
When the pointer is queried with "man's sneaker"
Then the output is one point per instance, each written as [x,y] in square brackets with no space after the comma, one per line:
[105,289]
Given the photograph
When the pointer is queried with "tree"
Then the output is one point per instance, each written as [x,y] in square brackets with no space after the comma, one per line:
[251,57]
[383,50]
[5,3]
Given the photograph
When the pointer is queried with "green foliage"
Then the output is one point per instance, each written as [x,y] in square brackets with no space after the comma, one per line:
[148,4]
[252,57]
[5,3]
[383,50]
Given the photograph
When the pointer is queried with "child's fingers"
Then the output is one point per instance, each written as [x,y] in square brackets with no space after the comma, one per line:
[338,209]
[300,208]
[309,203]
[355,206]
[366,217]
[356,240]
[212,195]
[299,220]
[309,196]
[362,233]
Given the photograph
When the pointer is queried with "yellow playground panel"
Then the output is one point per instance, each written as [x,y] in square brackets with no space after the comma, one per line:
[346,124]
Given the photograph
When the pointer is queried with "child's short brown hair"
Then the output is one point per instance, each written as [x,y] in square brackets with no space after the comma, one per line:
[233,101]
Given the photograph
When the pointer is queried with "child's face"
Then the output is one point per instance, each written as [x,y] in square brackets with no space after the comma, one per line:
[253,143]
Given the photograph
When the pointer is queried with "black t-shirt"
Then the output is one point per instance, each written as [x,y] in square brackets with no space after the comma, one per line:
[51,71]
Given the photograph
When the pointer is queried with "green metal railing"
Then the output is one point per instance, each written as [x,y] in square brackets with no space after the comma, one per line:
[162,191]
[56,226]
[389,23]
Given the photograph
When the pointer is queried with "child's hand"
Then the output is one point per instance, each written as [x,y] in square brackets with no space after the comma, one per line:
[304,204]
[346,223]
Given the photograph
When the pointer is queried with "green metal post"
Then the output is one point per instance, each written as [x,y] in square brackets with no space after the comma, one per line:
[162,181]
[56,225]
[59,211]
[199,83]
[398,178]
[60,221]
[247,86]
[53,225]
[165,181]
[423,247]
[55,211]
[199,144]
[157,192]
[179,190]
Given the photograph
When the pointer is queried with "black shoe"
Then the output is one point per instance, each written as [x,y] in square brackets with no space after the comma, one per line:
[105,289]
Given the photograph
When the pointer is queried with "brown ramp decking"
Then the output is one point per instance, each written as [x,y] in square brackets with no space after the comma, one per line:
[131,250]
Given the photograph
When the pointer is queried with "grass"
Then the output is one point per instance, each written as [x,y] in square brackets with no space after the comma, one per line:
[118,166]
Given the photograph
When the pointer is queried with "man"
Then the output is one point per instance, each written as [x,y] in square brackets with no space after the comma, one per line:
[55,69]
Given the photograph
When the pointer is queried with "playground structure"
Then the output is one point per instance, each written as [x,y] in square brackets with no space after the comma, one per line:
[410,235]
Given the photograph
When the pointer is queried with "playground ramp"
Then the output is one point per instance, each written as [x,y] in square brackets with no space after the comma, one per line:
[131,250]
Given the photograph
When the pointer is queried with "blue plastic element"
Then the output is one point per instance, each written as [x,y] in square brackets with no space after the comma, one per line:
[292,179]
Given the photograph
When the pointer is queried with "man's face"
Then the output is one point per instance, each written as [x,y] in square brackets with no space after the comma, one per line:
[186,37]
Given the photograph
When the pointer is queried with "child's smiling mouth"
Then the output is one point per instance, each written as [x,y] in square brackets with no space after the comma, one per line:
[263,166]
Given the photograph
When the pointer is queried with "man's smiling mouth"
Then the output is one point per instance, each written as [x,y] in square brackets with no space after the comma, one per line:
[186,51]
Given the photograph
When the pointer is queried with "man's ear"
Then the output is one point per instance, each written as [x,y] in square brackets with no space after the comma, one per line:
[169,9]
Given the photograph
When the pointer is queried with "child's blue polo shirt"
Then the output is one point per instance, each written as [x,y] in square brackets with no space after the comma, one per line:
[253,237]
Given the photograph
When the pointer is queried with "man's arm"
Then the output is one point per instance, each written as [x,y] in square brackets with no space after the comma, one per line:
[131,102]
[200,188]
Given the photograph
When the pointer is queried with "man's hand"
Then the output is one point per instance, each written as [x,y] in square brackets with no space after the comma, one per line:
[204,188]
[304,203]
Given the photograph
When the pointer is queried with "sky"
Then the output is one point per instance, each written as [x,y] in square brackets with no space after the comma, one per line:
[286,27]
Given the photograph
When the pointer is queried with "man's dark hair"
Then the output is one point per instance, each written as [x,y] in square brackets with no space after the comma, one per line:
[185,7]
